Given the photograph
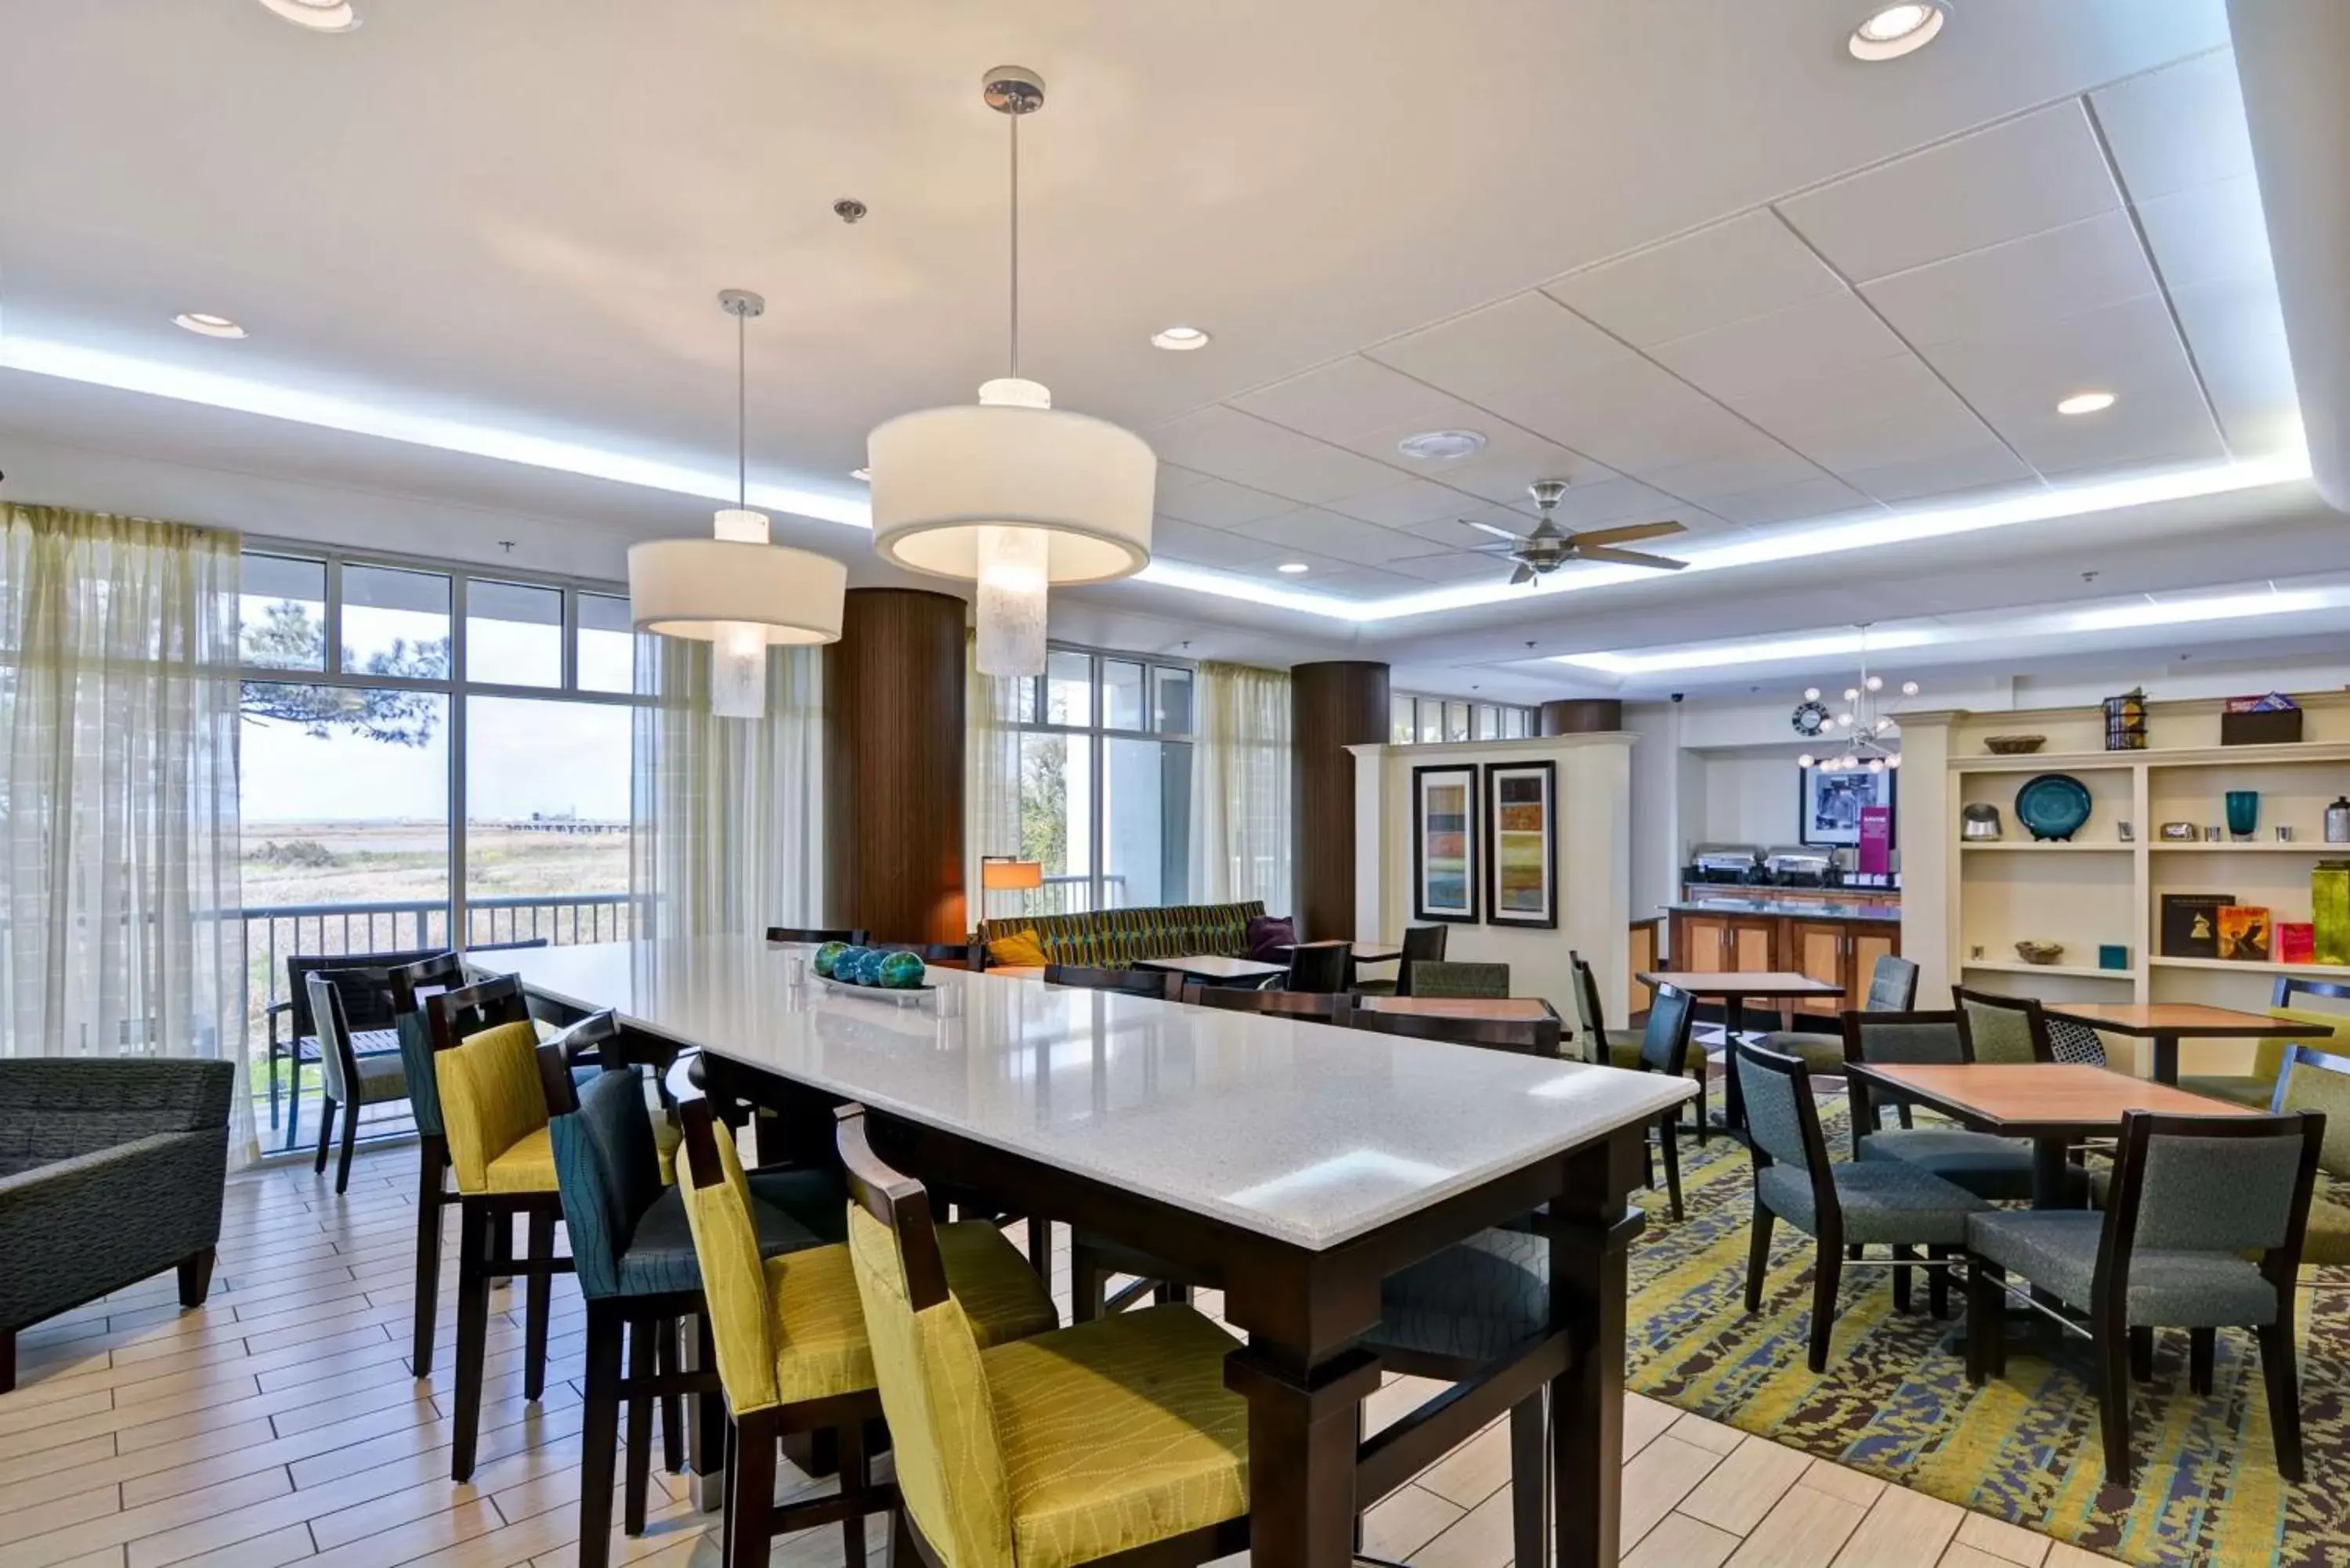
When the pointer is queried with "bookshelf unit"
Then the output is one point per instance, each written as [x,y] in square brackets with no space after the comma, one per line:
[1971,902]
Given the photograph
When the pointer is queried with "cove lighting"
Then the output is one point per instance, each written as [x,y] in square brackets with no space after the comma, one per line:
[1831,644]
[2186,612]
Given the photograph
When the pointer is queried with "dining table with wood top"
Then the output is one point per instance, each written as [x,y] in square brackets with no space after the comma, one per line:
[1501,1009]
[2054,1104]
[1733,988]
[2167,1022]
[1295,1164]
[1362,953]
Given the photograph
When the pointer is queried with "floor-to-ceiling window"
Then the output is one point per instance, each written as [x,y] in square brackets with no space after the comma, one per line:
[428,753]
[1105,780]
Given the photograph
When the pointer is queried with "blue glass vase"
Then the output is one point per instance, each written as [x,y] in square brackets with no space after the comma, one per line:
[2243,812]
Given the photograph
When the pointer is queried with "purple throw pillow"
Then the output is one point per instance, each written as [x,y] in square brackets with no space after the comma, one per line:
[1268,932]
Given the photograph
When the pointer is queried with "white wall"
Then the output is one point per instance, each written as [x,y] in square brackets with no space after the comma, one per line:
[1595,787]
[1750,798]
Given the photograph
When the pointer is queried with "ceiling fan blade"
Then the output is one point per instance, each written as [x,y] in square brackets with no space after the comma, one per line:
[1627,558]
[1489,528]
[1627,534]
[1524,574]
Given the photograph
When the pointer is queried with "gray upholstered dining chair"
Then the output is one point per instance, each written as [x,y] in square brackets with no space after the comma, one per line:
[1606,1047]
[1999,1168]
[2002,1029]
[2258,1087]
[2194,1200]
[351,1081]
[1892,988]
[1886,1202]
[1447,976]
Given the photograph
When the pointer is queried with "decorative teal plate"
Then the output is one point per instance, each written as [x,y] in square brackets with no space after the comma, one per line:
[2053,805]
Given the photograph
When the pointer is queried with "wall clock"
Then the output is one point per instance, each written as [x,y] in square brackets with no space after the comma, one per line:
[1809,719]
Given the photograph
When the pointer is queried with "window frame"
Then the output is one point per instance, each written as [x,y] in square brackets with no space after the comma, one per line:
[1422,706]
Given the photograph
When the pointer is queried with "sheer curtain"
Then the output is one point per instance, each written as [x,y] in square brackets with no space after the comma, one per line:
[1240,786]
[991,776]
[728,812]
[119,695]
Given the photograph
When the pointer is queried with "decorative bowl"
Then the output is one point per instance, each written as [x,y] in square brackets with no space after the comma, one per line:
[2039,952]
[2013,745]
[902,971]
[827,956]
[2053,805]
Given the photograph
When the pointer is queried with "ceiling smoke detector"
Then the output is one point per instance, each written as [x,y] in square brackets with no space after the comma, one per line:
[1180,340]
[1442,446]
[1889,32]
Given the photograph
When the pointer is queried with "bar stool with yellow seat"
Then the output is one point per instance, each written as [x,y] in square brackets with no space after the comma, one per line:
[791,1345]
[493,1116]
[1113,1441]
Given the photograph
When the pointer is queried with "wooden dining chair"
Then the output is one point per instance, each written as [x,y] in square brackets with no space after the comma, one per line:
[350,1080]
[1113,1441]
[1320,967]
[1421,944]
[1606,1047]
[411,984]
[1163,985]
[1526,1036]
[816,934]
[937,955]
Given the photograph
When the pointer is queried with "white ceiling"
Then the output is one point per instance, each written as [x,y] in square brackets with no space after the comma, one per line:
[1689,255]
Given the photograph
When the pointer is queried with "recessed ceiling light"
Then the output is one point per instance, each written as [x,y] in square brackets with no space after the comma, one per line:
[864,473]
[207,324]
[318,15]
[1889,32]
[1442,446]
[2086,403]
[1290,568]
[1182,339]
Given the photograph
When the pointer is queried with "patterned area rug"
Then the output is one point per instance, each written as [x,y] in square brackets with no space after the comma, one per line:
[1895,1401]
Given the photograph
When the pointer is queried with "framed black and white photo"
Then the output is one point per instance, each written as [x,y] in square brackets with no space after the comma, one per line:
[1522,845]
[1444,844]
[1830,800]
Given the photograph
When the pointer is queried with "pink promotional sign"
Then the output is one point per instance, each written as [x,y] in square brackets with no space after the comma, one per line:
[1877,839]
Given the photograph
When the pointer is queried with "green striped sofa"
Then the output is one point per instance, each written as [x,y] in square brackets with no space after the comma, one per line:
[1113,939]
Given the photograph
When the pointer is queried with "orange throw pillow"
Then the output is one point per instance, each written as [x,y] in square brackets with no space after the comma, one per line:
[1020,948]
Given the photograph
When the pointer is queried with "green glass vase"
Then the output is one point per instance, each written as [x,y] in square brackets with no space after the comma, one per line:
[2329,898]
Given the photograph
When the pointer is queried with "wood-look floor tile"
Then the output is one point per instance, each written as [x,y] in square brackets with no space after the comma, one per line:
[2011,1542]
[1644,1421]
[1901,1529]
[55,1509]
[1406,1519]
[1712,1436]
[1680,1541]
[1827,1476]
[2064,1555]
[1746,1485]
[1658,1477]
[1473,1471]
[1803,1530]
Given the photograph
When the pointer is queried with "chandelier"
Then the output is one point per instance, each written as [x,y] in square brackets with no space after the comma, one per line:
[1009,492]
[1865,725]
[735,590]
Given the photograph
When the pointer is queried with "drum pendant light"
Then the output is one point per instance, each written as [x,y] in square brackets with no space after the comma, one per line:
[735,590]
[1009,492]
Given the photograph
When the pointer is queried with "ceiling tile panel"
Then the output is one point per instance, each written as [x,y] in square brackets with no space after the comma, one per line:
[2037,171]
[1512,460]
[1340,538]
[1823,332]
[1179,541]
[1527,340]
[1401,505]
[1706,429]
[1228,444]
[1448,568]
[1901,385]
[2156,425]
[1871,443]
[1215,503]
[1786,502]
[2176,127]
[2237,336]
[2057,273]
[1352,397]
[2131,348]
[1948,474]
[1749,266]
[1346,581]
[2211,233]
[1719,476]
[1460,533]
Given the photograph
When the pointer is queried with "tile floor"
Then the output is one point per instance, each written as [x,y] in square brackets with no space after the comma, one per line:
[278,1425]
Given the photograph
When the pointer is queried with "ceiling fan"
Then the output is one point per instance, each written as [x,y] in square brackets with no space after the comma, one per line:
[1549,546]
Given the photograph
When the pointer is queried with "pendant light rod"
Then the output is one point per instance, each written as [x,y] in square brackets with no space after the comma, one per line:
[1015,247]
[742,305]
[1014,92]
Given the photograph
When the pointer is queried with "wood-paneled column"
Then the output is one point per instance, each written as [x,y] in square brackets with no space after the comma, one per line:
[893,767]
[1582,715]
[1332,705]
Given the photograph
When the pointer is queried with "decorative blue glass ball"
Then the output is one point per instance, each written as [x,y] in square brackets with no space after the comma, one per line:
[844,962]
[902,971]
[869,966]
[827,956]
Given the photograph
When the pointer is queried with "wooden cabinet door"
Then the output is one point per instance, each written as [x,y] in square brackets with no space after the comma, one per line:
[1752,944]
[1644,957]
[1869,943]
[1821,949]
[1700,943]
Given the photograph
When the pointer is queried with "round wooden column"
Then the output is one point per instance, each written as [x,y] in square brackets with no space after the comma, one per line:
[1332,705]
[1582,715]
[893,768]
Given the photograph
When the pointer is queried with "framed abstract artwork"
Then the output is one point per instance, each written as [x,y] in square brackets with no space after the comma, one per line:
[1829,801]
[1444,844]
[1522,845]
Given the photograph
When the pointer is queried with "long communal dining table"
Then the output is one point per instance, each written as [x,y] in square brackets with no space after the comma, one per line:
[1295,1163]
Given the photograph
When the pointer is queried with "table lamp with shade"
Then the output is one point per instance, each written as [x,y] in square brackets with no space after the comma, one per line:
[1008,873]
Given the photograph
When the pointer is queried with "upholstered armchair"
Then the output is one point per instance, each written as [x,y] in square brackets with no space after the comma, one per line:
[111,1171]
